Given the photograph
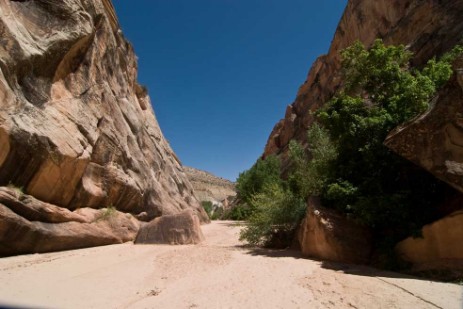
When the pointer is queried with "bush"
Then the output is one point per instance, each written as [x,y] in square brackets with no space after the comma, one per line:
[207,206]
[277,213]
[252,182]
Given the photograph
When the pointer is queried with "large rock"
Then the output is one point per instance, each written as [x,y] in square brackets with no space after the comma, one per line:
[439,248]
[76,128]
[28,225]
[328,235]
[428,28]
[180,229]
[434,140]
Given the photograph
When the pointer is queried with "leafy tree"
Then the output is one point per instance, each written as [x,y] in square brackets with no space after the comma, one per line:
[381,91]
[253,181]
[277,212]
[310,171]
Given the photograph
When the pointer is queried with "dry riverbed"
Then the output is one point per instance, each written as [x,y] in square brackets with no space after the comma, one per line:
[220,273]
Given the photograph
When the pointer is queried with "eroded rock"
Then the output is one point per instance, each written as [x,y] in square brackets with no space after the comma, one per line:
[76,128]
[28,225]
[180,229]
[328,235]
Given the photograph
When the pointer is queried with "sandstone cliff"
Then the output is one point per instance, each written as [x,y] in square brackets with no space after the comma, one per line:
[76,128]
[208,187]
[428,28]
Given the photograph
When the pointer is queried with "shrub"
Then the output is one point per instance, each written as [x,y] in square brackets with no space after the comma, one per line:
[251,182]
[277,212]
[207,206]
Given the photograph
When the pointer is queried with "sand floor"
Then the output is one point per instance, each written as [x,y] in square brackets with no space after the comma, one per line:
[220,273]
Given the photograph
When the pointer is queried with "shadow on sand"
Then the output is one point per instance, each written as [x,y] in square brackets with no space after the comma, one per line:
[350,269]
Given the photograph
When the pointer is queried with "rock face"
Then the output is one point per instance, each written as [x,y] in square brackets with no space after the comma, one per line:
[180,229]
[76,129]
[439,248]
[429,28]
[435,139]
[208,187]
[326,234]
[28,225]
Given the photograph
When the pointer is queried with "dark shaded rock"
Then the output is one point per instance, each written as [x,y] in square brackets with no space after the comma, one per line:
[328,235]
[180,229]
[434,140]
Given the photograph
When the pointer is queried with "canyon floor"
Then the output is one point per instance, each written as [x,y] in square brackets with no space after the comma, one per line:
[220,273]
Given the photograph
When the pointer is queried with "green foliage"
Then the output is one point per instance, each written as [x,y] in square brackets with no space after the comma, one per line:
[277,212]
[253,181]
[207,206]
[381,92]
[107,213]
[310,171]
[279,207]
[19,190]
[240,212]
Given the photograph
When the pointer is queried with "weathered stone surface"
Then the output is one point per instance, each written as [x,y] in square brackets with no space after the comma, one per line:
[76,129]
[439,248]
[208,187]
[28,225]
[328,235]
[180,229]
[434,140]
[428,28]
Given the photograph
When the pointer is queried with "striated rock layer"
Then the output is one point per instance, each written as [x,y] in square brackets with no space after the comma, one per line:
[76,129]
[428,28]
[208,187]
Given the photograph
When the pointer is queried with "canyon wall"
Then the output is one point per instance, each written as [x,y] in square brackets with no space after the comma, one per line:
[429,28]
[76,129]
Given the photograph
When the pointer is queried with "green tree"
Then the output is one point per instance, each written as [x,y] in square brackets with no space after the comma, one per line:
[263,172]
[381,91]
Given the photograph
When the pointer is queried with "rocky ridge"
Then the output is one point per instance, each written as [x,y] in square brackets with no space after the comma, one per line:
[76,129]
[208,187]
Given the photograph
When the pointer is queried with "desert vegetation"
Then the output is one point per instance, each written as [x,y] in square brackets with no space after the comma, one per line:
[345,162]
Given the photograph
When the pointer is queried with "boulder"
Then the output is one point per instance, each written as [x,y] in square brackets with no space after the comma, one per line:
[180,229]
[328,235]
[439,248]
[28,225]
[434,140]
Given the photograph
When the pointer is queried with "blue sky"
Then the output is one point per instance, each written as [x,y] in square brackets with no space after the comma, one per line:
[220,73]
